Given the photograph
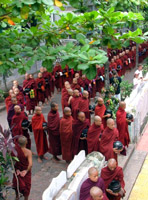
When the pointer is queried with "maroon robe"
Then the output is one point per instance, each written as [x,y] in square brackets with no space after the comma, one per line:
[40,90]
[100,110]
[84,107]
[58,78]
[20,98]
[93,135]
[88,184]
[119,63]
[39,134]
[30,102]
[76,87]
[22,164]
[109,136]
[109,175]
[104,198]
[54,133]
[74,103]
[64,98]
[11,112]
[99,82]
[8,103]
[122,126]
[77,143]
[16,125]
[46,76]
[66,134]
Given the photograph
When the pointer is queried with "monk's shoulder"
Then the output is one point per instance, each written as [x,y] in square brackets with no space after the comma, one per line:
[27,152]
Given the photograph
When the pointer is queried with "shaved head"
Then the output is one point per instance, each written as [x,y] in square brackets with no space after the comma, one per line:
[81,116]
[17,109]
[54,106]
[76,93]
[110,123]
[97,120]
[96,193]
[70,92]
[67,111]
[22,141]
[112,164]
[122,104]
[14,100]
[93,174]
[85,94]
[100,101]
[38,110]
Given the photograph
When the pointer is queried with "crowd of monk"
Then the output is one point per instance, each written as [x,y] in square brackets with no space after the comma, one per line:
[74,132]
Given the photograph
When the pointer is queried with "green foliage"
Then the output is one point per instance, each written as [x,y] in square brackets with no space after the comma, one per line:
[126,89]
[145,67]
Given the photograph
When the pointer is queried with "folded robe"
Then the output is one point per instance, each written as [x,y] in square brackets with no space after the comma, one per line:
[22,164]
[88,184]
[94,132]
[39,134]
[54,133]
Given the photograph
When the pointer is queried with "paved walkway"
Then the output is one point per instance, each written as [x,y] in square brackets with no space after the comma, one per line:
[140,189]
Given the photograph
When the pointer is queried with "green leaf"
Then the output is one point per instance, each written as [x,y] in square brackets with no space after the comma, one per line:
[48,2]
[85,47]
[91,53]
[16,11]
[80,37]
[90,72]
[83,56]
[69,16]
[83,66]
[48,64]
[72,64]
[138,40]
[29,2]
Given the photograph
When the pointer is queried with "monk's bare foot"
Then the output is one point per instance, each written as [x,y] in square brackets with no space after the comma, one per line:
[68,161]
[39,160]
[34,154]
[56,158]
[46,158]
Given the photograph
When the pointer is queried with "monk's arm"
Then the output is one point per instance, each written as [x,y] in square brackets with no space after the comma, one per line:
[29,156]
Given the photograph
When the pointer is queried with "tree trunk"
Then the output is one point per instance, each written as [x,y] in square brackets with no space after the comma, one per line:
[137,55]
[106,70]
[5,83]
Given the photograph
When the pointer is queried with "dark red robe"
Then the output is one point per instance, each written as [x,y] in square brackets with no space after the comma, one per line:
[93,136]
[8,103]
[108,137]
[100,110]
[77,143]
[88,184]
[64,98]
[22,164]
[40,90]
[84,107]
[122,126]
[74,104]
[58,78]
[119,63]
[109,175]
[99,81]
[39,134]
[16,125]
[54,133]
[66,134]
[46,76]
[76,87]
[30,102]
[20,98]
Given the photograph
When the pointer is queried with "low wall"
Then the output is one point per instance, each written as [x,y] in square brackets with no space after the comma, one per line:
[137,104]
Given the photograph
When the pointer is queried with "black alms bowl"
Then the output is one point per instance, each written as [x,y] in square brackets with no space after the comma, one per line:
[115,186]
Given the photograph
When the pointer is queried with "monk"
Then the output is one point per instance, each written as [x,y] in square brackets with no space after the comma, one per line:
[19,96]
[99,78]
[97,194]
[79,143]
[23,169]
[64,94]
[100,111]
[11,111]
[79,79]
[84,104]
[74,103]
[66,134]
[93,180]
[53,120]
[57,72]
[75,85]
[122,124]
[109,136]
[110,173]
[85,82]
[94,135]
[46,75]
[29,84]
[15,83]
[39,134]
[8,100]
[40,84]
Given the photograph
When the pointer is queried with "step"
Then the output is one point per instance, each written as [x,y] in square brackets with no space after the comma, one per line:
[123,160]
[132,170]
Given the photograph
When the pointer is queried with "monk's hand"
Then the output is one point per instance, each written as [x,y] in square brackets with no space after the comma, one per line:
[17,172]
[23,173]
[117,151]
[111,192]
[83,138]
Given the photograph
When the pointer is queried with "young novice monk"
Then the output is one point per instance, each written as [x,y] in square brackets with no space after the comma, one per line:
[39,134]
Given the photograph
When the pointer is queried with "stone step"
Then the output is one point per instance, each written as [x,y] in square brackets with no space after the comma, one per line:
[132,169]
